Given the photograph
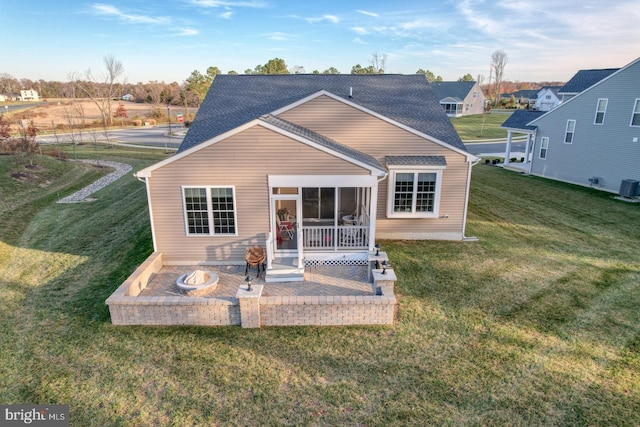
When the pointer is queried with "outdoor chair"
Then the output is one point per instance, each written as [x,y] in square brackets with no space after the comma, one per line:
[285,227]
[254,257]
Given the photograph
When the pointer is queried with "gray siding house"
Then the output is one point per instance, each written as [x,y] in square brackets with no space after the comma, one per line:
[593,137]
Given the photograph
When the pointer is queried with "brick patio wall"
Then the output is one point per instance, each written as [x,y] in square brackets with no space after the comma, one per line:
[127,307]
[326,311]
[174,311]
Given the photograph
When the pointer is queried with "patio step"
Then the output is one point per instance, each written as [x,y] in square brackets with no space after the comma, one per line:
[284,270]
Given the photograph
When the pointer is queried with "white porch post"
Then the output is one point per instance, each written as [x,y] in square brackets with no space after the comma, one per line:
[373,216]
[526,149]
[507,153]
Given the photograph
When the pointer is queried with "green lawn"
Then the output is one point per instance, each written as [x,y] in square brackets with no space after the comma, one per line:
[480,126]
[537,323]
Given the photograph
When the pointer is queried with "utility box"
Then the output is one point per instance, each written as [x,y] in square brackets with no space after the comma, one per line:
[629,188]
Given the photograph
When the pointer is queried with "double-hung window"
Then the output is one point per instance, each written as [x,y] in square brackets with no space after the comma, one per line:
[601,110]
[209,211]
[414,191]
[635,116]
[544,147]
[571,129]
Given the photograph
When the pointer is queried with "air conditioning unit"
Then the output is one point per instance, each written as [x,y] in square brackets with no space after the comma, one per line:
[629,188]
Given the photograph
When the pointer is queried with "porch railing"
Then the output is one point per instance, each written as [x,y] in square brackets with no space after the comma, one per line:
[336,237]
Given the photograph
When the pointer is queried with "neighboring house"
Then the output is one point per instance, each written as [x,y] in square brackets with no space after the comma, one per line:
[460,98]
[29,95]
[518,122]
[593,137]
[547,98]
[306,165]
[3,98]
[523,97]
[582,80]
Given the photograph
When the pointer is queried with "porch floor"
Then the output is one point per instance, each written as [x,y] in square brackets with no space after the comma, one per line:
[335,280]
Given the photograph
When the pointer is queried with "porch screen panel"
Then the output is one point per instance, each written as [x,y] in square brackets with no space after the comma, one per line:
[310,203]
[223,213]
[319,203]
[426,192]
[403,192]
[195,200]
[327,203]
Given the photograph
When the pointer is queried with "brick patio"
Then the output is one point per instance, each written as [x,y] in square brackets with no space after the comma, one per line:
[339,280]
[329,295]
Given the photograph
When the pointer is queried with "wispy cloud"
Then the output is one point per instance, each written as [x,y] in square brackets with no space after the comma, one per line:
[187,32]
[359,40]
[422,24]
[278,36]
[360,30]
[364,12]
[226,15]
[112,11]
[312,20]
[257,4]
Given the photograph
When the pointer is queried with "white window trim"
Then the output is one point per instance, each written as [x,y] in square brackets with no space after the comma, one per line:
[209,211]
[636,105]
[393,170]
[566,131]
[604,112]
[544,145]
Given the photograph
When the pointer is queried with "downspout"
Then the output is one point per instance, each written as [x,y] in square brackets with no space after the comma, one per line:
[374,207]
[153,230]
[466,203]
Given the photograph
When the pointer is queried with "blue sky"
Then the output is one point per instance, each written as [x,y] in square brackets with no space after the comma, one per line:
[167,40]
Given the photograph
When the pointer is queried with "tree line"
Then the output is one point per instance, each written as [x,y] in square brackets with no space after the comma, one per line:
[190,92]
[109,84]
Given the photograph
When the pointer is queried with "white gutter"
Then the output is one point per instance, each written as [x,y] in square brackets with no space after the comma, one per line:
[153,230]
[466,203]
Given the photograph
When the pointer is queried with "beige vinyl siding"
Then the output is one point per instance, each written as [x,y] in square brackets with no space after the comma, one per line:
[379,138]
[244,161]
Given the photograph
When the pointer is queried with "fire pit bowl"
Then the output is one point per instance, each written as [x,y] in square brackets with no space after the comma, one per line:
[198,283]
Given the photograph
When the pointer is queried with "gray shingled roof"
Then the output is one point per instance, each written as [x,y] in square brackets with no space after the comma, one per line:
[234,100]
[523,93]
[458,90]
[322,140]
[584,79]
[416,161]
[520,119]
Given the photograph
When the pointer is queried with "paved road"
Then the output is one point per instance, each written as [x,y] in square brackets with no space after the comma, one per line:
[148,136]
[16,107]
[158,137]
[494,147]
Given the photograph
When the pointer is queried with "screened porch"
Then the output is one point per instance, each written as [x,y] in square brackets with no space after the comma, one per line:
[330,218]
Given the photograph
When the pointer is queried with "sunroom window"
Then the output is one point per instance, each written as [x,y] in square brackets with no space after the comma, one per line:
[414,193]
[209,211]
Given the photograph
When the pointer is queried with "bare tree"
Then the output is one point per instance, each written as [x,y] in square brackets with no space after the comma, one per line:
[71,120]
[102,88]
[498,62]
[378,62]
[9,85]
